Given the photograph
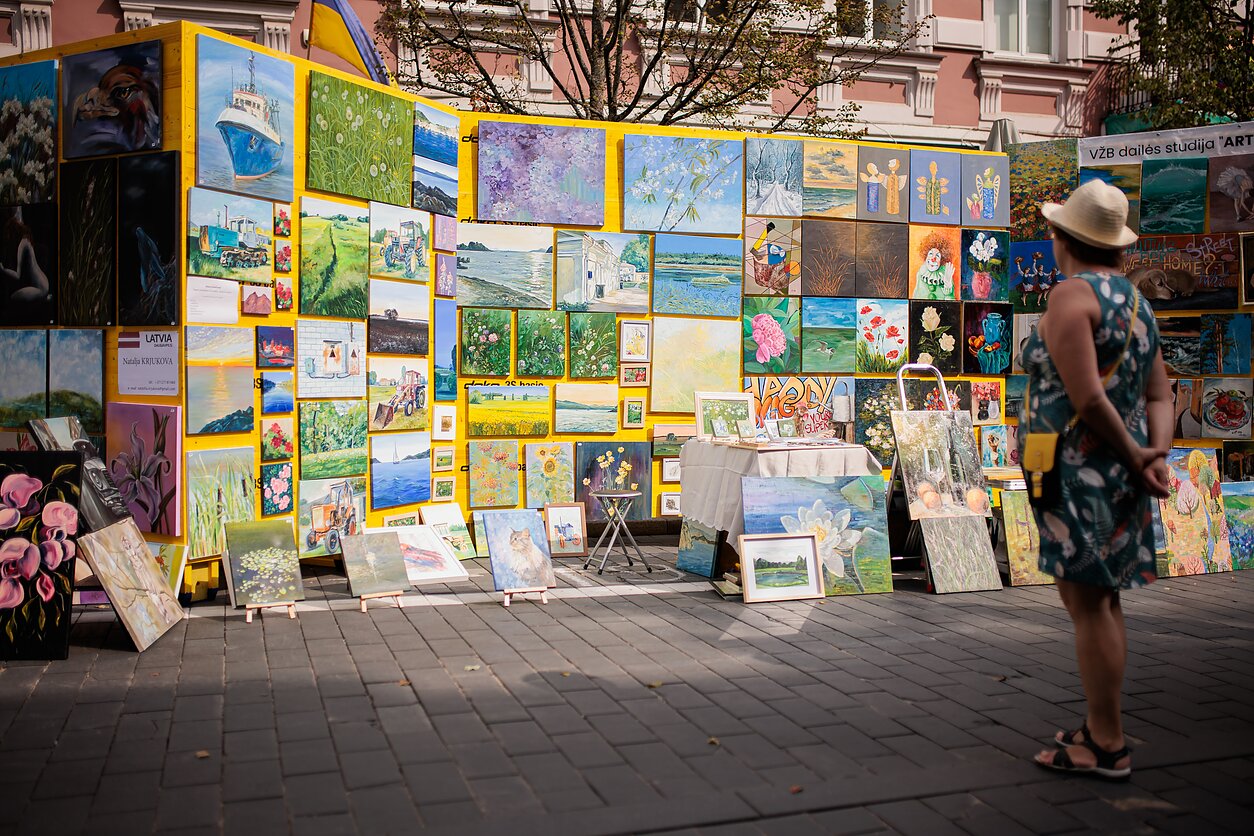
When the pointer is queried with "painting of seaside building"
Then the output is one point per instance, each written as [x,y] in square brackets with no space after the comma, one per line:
[602,271]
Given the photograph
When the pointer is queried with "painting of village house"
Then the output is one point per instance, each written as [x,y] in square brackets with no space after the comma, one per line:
[602,271]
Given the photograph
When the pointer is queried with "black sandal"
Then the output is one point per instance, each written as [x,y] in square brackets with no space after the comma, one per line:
[1105,767]
[1063,739]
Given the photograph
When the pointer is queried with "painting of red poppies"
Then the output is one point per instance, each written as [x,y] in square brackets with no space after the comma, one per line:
[144,451]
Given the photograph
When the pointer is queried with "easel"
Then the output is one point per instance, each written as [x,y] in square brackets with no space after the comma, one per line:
[543,590]
[400,603]
[249,609]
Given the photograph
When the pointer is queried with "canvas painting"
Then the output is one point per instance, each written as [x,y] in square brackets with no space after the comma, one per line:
[585,408]
[230,237]
[935,331]
[443,422]
[934,253]
[602,271]
[28,258]
[986,396]
[219,379]
[263,562]
[771,335]
[360,141]
[1227,403]
[1126,178]
[936,187]
[821,407]
[76,377]
[41,492]
[443,228]
[1186,272]
[396,394]
[682,184]
[400,469]
[486,337]
[1237,460]
[276,489]
[1039,172]
[518,548]
[399,241]
[985,190]
[86,295]
[985,263]
[611,466]
[883,175]
[1033,273]
[698,548]
[436,140]
[960,555]
[329,510]
[772,260]
[829,330]
[518,410]
[550,473]
[704,359]
[276,347]
[1022,330]
[1225,343]
[220,489]
[1023,540]
[828,257]
[779,567]
[493,473]
[940,464]
[882,268]
[111,100]
[399,318]
[540,348]
[504,266]
[334,258]
[593,345]
[444,350]
[547,174]
[283,220]
[374,564]
[332,439]
[445,273]
[447,520]
[884,326]
[847,513]
[246,120]
[1238,499]
[330,359]
[719,414]
[28,102]
[1193,516]
[1231,194]
[993,445]
[442,459]
[148,239]
[695,274]
[257,299]
[874,400]
[143,448]
[283,294]
[1187,393]
[278,396]
[668,439]
[171,558]
[1016,391]
[1173,196]
[773,176]
[427,557]
[1180,338]
[987,337]
[922,393]
[830,183]
[139,591]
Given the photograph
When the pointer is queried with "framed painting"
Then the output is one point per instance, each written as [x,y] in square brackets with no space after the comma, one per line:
[935,331]
[772,260]
[443,422]
[28,95]
[442,459]
[701,178]
[493,474]
[829,331]
[633,413]
[773,175]
[540,344]
[779,567]
[518,550]
[504,266]
[698,548]
[87,291]
[550,469]
[670,504]
[670,470]
[330,359]
[76,376]
[985,266]
[444,349]
[143,449]
[353,150]
[935,194]
[1174,196]
[546,174]
[633,341]
[329,510]
[374,564]
[884,331]
[400,240]
[399,322]
[332,439]
[443,488]
[486,337]
[437,137]
[567,529]
[701,275]
[111,100]
[986,190]
[448,521]
[334,258]
[828,258]
[220,489]
[987,337]
[633,374]
[263,563]
[771,332]
[585,408]
[400,469]
[883,175]
[397,520]
[611,466]
[593,345]
[718,412]
[148,239]
[934,252]
[518,410]
[830,183]
[219,379]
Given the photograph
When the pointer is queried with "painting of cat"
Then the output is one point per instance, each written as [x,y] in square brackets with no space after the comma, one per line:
[518,550]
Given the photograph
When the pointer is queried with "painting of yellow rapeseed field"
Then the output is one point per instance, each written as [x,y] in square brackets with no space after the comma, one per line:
[508,410]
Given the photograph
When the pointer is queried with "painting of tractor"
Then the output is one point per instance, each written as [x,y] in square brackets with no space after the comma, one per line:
[334,518]
[235,245]
[409,396]
[403,250]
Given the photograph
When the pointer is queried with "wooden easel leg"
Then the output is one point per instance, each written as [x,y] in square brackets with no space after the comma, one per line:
[291,611]
[248,616]
[507,597]
[363,604]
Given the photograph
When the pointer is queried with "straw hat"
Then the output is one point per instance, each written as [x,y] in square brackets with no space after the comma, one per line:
[1096,213]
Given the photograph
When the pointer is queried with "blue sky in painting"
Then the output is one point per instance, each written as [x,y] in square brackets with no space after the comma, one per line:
[822,312]
[25,364]
[768,499]
[76,361]
[666,243]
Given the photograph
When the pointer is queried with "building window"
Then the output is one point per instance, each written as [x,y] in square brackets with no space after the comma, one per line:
[880,19]
[1024,27]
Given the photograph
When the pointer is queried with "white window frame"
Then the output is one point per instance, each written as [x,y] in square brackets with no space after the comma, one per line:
[1057,25]
[908,16]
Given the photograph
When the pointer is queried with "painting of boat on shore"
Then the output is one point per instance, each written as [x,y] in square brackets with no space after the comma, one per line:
[602,271]
[504,266]
[694,274]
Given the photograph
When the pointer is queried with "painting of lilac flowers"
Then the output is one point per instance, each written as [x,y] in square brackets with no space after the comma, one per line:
[848,515]
[547,174]
[682,184]
[39,494]
[771,330]
[28,122]
[136,586]
[143,449]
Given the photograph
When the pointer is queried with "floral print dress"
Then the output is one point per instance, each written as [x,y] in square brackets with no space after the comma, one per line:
[1101,531]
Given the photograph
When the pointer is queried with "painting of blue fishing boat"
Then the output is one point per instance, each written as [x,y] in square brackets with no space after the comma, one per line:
[245,120]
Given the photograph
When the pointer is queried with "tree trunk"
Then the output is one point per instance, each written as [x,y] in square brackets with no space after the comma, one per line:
[598,93]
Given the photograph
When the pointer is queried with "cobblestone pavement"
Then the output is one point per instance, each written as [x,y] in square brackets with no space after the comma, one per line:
[613,711]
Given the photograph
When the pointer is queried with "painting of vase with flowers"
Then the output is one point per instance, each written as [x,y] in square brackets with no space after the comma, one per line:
[985,266]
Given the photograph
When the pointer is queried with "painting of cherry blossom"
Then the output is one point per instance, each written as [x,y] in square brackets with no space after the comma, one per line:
[546,174]
[682,184]
[883,335]
[144,452]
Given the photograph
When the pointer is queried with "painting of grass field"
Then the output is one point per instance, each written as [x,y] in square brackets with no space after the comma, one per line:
[220,489]
[360,141]
[508,410]
[332,439]
[334,257]
[396,392]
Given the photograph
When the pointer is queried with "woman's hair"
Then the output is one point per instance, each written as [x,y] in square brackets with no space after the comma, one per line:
[1087,253]
[940,242]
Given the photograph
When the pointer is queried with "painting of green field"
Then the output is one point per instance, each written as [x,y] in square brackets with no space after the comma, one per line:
[334,257]
[396,392]
[332,439]
[695,355]
[828,334]
[508,411]
[360,141]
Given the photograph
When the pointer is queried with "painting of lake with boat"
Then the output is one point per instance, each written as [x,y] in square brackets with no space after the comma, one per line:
[696,274]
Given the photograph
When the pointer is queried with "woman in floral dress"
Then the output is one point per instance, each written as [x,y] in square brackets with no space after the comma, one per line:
[1097,537]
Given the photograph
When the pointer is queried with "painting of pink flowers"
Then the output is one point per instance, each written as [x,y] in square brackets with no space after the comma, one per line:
[772,331]
[546,174]
[39,526]
[883,335]
[276,489]
[144,454]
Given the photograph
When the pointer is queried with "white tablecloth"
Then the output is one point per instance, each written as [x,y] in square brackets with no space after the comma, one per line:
[710,475]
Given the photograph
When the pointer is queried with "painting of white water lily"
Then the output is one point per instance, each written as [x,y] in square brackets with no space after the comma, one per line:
[846,513]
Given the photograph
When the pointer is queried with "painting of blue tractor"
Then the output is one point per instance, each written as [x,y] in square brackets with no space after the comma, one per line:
[404,250]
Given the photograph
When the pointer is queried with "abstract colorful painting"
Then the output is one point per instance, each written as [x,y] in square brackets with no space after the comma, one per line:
[220,489]
[444,350]
[546,174]
[936,187]
[1039,172]
[86,295]
[985,190]
[704,358]
[28,117]
[111,100]
[585,408]
[821,407]
[936,334]
[772,262]
[329,510]
[138,589]
[985,261]
[960,555]
[773,176]
[1231,196]
[334,258]
[940,464]
[143,449]
[399,318]
[486,337]
[882,269]
[884,332]
[148,239]
[1173,196]
[829,331]
[934,254]
[508,410]
[230,237]
[360,141]
[1193,516]
[828,257]
[771,334]
[330,359]
[550,473]
[246,120]
[399,242]
[263,562]
[1225,343]
[400,469]
[848,515]
[1033,273]
[396,393]
[593,345]
[540,350]
[1126,178]
[883,177]
[1238,499]
[332,439]
[504,266]
[682,184]
[1023,540]
[987,337]
[374,564]
[76,376]
[493,474]
[698,548]
[695,274]
[518,548]
[276,489]
[1227,404]
[219,379]
[436,140]
[830,182]
[614,466]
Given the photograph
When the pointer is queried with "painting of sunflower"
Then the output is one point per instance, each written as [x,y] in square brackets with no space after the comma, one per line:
[550,469]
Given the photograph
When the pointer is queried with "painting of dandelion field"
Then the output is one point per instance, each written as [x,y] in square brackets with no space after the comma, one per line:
[848,515]
[360,141]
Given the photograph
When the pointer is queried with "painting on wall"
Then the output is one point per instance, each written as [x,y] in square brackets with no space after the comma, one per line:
[987,337]
[76,376]
[1186,272]
[276,347]
[246,120]
[940,464]
[772,261]
[935,332]
[518,548]
[986,397]
[1231,195]
[883,175]
[934,254]
[696,275]
[830,183]
[444,350]
[550,468]
[848,515]
[1127,179]
[229,237]
[829,257]
[220,489]
[960,555]
[773,175]
[277,496]
[698,547]
[985,190]
[28,258]
[396,394]
[1023,329]
[936,190]
[985,260]
[398,321]
[1023,540]
[332,439]
[360,141]
[1193,516]
[445,273]
[682,184]
[278,393]
[829,331]
[1224,344]
[493,473]
[520,410]
[1173,196]
[540,348]
[263,563]
[374,564]
[1040,172]
[1227,403]
[143,448]
[111,100]
[882,268]
[436,140]
[547,174]
[771,334]
[705,359]
[874,401]
[443,227]
[1187,394]
[602,271]
[1033,273]
[28,102]
[1238,499]
[148,239]
[334,258]
[139,591]
[486,337]
[399,241]
[993,446]
[585,408]
[593,345]
[504,266]
[609,465]
[283,296]
[330,359]
[1237,461]
[329,511]
[400,469]
[219,379]
[884,326]
[87,292]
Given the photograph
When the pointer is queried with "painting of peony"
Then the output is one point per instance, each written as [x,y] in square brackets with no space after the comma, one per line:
[138,589]
[883,334]
[28,121]
[39,512]
[276,489]
[682,184]
[772,333]
[546,174]
[848,515]
[143,449]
